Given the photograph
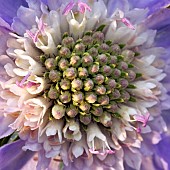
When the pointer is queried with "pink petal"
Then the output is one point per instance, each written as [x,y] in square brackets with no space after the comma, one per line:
[127,23]
[68,8]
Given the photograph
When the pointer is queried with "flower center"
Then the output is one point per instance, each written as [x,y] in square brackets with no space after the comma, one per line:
[89,78]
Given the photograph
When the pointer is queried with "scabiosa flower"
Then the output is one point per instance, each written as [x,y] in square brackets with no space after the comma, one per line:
[83,83]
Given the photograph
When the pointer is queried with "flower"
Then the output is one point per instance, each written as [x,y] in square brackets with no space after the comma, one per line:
[84,83]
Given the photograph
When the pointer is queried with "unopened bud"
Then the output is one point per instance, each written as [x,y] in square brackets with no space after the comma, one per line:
[97,111]
[72,111]
[102,59]
[98,37]
[68,42]
[113,107]
[85,119]
[70,73]
[106,119]
[115,94]
[123,66]
[106,70]
[131,75]
[128,55]
[82,72]
[115,49]
[54,76]
[93,69]
[65,97]
[85,107]
[78,97]
[90,97]
[116,73]
[100,90]
[79,48]
[93,52]
[124,83]
[99,79]
[125,96]
[113,59]
[104,48]
[77,84]
[88,85]
[87,60]
[103,100]
[53,93]
[63,64]
[87,40]
[111,84]
[65,84]
[58,111]
[75,61]
[50,64]
[64,52]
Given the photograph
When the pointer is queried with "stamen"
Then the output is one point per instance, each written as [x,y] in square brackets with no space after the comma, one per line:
[68,8]
[21,84]
[142,118]
[83,7]
[128,23]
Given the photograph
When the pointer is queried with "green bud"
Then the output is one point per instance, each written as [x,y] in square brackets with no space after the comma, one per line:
[53,93]
[72,111]
[87,40]
[104,48]
[82,72]
[65,97]
[77,84]
[43,57]
[63,64]
[93,52]
[123,65]
[106,70]
[97,111]
[78,97]
[90,97]
[99,79]
[87,60]
[123,82]
[64,52]
[68,42]
[106,119]
[75,61]
[103,100]
[50,64]
[54,76]
[112,107]
[100,90]
[79,48]
[58,111]
[85,119]
[85,107]
[93,69]
[125,96]
[98,37]
[70,73]
[111,84]
[102,59]
[116,73]
[65,84]
[88,85]
[114,95]
[131,75]
[128,55]
[113,59]
[115,49]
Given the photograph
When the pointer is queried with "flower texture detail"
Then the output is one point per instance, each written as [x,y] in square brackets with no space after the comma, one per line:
[81,84]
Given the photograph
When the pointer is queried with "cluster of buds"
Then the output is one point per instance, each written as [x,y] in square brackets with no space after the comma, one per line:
[89,78]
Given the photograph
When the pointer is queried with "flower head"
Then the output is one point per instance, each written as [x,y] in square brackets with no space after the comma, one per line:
[83,82]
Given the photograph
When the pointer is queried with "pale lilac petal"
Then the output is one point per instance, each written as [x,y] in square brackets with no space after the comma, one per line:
[68,8]
[9,9]
[13,157]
